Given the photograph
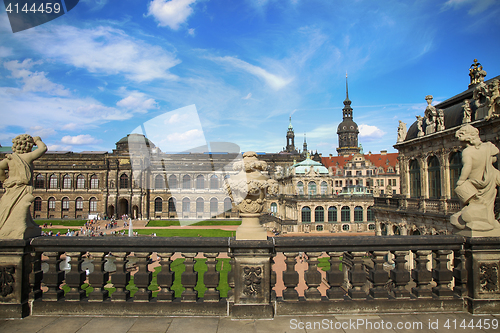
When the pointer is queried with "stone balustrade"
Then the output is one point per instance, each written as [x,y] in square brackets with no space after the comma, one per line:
[273,277]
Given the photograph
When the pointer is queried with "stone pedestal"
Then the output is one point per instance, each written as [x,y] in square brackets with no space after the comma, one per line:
[483,265]
[14,278]
[250,228]
[252,275]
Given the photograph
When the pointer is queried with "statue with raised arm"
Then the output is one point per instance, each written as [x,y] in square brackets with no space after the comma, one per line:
[476,187]
[401,131]
[16,173]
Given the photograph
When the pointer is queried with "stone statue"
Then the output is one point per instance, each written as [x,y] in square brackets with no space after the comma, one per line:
[420,120]
[401,131]
[476,187]
[440,120]
[493,99]
[430,116]
[15,218]
[467,112]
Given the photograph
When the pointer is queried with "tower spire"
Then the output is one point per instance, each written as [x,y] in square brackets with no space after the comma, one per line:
[346,87]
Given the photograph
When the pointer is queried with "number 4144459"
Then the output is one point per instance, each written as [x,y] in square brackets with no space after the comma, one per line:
[46,8]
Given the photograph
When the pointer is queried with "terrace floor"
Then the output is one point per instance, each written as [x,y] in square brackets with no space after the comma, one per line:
[461,322]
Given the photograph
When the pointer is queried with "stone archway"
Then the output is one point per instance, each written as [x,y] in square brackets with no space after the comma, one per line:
[135,212]
[122,207]
[111,211]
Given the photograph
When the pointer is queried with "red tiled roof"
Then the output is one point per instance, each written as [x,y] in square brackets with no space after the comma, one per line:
[378,160]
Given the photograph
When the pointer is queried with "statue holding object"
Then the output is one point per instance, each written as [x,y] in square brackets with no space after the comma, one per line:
[16,173]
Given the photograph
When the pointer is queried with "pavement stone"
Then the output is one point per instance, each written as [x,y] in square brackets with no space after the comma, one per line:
[277,325]
[108,325]
[228,325]
[193,325]
[151,324]
[361,323]
[65,325]
[26,325]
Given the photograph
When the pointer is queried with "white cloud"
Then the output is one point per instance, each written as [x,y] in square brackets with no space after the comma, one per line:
[247,96]
[34,81]
[478,6]
[188,136]
[83,139]
[191,32]
[369,131]
[104,50]
[170,13]
[138,102]
[58,148]
[70,127]
[41,131]
[274,81]
[5,52]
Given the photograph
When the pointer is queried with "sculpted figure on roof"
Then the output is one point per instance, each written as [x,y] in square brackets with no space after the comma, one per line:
[401,131]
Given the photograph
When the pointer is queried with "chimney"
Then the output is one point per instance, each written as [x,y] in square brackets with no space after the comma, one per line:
[330,155]
[383,152]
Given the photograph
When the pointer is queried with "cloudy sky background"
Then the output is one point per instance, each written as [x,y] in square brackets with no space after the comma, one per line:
[101,71]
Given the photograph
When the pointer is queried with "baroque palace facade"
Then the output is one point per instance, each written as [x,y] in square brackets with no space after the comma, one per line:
[430,159]
[316,193]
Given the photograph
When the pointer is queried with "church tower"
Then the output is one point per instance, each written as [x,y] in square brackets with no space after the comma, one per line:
[348,129]
[290,139]
[304,146]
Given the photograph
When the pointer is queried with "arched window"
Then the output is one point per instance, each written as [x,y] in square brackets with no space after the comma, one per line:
[186,182]
[186,203]
[93,204]
[124,181]
[396,230]
[214,206]
[312,188]
[306,214]
[214,182]
[274,208]
[345,227]
[371,226]
[370,217]
[172,182]
[38,204]
[67,181]
[159,182]
[300,188]
[324,188]
[65,204]
[319,227]
[455,169]
[158,204]
[414,179]
[319,214]
[345,214]
[200,205]
[171,205]
[52,204]
[39,181]
[53,182]
[200,182]
[79,204]
[80,182]
[227,205]
[358,214]
[94,182]
[434,178]
[332,214]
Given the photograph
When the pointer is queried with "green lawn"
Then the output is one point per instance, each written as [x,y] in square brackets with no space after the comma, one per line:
[178,267]
[62,231]
[163,223]
[324,264]
[69,223]
[218,222]
[186,232]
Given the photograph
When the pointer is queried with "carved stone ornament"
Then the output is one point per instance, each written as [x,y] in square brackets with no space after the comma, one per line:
[476,187]
[16,173]
[7,280]
[467,112]
[420,121]
[252,278]
[401,131]
[488,277]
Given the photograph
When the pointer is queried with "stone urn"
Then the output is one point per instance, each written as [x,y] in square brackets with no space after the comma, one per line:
[248,190]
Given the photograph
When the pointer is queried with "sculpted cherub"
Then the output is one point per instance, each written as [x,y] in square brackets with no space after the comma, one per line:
[15,218]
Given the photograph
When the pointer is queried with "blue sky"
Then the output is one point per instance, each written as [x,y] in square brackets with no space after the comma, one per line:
[101,71]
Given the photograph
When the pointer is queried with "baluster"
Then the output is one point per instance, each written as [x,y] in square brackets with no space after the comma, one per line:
[143,277]
[36,276]
[230,278]
[421,275]
[189,279]
[400,275]
[54,277]
[378,276]
[347,264]
[98,278]
[312,277]
[441,274]
[335,277]
[165,278]
[273,278]
[357,276]
[121,278]
[76,277]
[211,278]
[290,277]
[460,273]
